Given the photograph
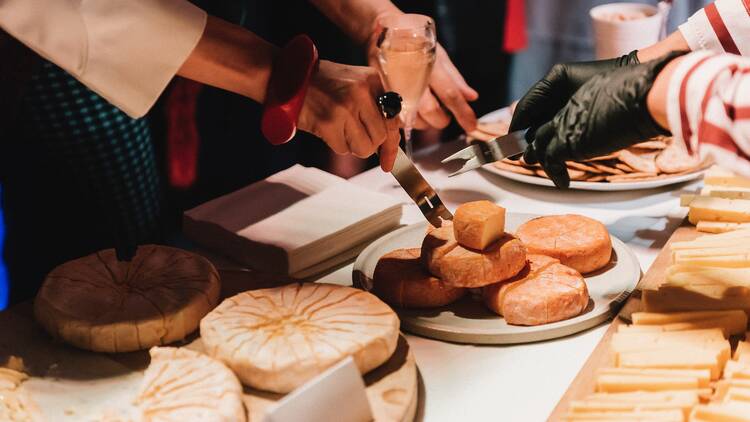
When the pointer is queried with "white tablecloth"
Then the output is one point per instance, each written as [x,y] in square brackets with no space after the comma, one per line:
[520,382]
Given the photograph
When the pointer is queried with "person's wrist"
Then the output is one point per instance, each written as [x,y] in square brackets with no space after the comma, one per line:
[656,100]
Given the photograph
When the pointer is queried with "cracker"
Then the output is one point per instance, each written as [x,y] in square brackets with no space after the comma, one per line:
[602,158]
[633,177]
[640,162]
[603,168]
[596,178]
[676,159]
[514,168]
[572,173]
[624,167]
[582,167]
[651,144]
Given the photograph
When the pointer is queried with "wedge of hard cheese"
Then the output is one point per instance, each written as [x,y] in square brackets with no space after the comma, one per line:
[478,224]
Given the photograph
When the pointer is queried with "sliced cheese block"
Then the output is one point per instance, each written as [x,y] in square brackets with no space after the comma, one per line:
[101,304]
[695,297]
[184,385]
[720,227]
[579,242]
[673,359]
[635,416]
[478,224]
[277,339]
[721,412]
[16,405]
[620,383]
[656,318]
[701,376]
[707,208]
[462,267]
[717,176]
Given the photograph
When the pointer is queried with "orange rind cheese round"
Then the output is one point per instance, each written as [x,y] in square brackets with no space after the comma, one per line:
[400,280]
[461,267]
[579,242]
[478,224]
[545,291]
[99,303]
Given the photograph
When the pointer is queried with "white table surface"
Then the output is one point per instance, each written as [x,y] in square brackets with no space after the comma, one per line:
[519,382]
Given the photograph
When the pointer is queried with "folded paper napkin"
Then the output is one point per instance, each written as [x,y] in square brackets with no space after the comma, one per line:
[299,222]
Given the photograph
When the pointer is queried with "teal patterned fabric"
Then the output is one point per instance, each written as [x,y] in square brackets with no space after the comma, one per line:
[78,173]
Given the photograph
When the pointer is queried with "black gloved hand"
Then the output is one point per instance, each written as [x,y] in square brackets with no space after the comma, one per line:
[606,114]
[549,95]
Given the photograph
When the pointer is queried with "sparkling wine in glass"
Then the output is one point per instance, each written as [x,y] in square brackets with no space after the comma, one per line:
[406,54]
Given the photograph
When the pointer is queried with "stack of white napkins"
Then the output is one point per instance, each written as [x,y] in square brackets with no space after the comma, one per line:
[299,222]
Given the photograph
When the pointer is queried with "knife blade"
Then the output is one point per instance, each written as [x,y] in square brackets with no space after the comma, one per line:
[480,153]
[419,190]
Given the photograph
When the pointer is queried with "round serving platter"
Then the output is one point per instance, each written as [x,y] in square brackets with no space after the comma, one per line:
[504,115]
[468,321]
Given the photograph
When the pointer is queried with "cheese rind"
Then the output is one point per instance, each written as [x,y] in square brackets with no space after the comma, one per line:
[478,224]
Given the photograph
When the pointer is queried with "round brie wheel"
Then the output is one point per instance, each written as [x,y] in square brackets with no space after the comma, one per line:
[277,339]
[98,303]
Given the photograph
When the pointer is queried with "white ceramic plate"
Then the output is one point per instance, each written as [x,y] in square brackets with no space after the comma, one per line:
[468,321]
[504,115]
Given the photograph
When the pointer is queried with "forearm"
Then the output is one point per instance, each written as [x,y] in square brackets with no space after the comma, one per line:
[355,17]
[657,97]
[232,58]
[674,42]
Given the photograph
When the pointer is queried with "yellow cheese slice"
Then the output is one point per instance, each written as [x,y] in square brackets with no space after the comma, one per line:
[708,276]
[478,224]
[673,359]
[725,261]
[592,405]
[651,396]
[736,369]
[659,318]
[718,176]
[637,416]
[695,297]
[743,350]
[720,227]
[717,240]
[721,412]
[737,394]
[706,334]
[731,192]
[701,376]
[707,208]
[616,383]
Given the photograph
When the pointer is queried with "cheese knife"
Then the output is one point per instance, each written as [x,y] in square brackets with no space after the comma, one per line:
[480,153]
[407,175]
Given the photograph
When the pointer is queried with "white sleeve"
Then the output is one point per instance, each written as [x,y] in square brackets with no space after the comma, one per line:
[125,50]
[708,107]
[722,26]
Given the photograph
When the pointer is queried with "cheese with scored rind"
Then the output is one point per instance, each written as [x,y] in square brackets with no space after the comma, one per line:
[277,339]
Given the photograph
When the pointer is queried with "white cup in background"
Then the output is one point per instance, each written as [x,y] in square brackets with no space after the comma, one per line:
[620,28]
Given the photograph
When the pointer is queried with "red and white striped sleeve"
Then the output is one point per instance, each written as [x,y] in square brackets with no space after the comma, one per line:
[708,107]
[722,26]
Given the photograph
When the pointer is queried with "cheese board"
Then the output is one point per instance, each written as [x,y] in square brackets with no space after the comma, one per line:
[467,321]
[585,382]
[70,384]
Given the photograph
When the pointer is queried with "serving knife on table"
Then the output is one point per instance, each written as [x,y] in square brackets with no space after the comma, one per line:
[407,175]
[480,153]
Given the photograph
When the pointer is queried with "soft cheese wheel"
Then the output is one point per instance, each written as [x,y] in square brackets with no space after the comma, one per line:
[461,267]
[183,385]
[579,242]
[101,304]
[545,291]
[400,280]
[277,339]
[478,224]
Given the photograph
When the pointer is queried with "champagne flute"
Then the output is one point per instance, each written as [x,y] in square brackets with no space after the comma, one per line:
[406,53]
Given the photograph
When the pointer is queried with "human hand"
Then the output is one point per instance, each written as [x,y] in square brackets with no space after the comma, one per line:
[551,93]
[340,108]
[447,89]
[608,113]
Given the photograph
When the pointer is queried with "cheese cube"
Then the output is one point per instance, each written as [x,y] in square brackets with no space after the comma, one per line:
[706,208]
[478,224]
[718,176]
